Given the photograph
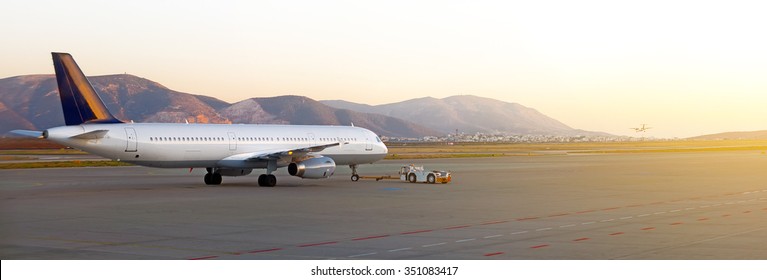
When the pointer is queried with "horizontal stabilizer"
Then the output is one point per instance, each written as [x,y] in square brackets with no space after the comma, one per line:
[96,134]
[28,133]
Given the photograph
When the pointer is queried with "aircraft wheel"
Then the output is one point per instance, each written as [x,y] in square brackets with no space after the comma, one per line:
[355,178]
[261,180]
[216,179]
[207,179]
[431,179]
[411,178]
[271,180]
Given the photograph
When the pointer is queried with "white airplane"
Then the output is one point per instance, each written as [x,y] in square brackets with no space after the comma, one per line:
[641,129]
[309,151]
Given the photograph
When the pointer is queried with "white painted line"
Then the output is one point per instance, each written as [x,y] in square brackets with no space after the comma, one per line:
[363,255]
[689,208]
[492,236]
[715,205]
[675,210]
[566,226]
[432,245]
[610,220]
[519,232]
[543,229]
[400,249]
[626,218]
[658,213]
[588,223]
[705,206]
[465,240]
[643,215]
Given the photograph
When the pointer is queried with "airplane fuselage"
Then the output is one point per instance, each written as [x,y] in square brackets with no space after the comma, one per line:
[217,145]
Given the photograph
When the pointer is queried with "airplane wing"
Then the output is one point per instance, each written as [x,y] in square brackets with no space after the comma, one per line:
[277,154]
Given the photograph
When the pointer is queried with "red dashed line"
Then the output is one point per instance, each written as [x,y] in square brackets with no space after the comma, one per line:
[617,233]
[204,258]
[611,208]
[702,219]
[493,223]
[527,219]
[636,205]
[457,227]
[746,212]
[493,254]
[581,239]
[559,215]
[648,228]
[656,203]
[265,250]
[726,215]
[677,223]
[584,212]
[765,209]
[370,237]
[417,231]
[317,244]
[539,246]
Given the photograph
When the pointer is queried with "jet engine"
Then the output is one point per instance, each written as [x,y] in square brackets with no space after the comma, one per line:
[313,168]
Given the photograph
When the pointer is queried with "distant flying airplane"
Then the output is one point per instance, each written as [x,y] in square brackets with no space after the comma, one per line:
[309,151]
[641,129]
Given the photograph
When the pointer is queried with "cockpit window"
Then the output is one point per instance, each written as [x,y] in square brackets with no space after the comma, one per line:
[378,139]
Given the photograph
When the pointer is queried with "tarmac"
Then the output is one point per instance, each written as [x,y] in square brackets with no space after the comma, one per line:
[705,205]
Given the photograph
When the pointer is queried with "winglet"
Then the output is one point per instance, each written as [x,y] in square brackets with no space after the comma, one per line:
[79,101]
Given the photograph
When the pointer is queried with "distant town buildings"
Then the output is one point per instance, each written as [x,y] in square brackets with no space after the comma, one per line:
[510,138]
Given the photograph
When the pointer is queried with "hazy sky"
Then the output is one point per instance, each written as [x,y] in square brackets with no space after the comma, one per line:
[683,67]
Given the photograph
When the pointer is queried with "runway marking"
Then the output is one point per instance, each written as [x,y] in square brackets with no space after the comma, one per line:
[584,212]
[617,233]
[675,210]
[465,240]
[417,231]
[400,249]
[677,223]
[636,205]
[543,229]
[581,239]
[559,215]
[746,212]
[626,218]
[519,232]
[203,258]
[702,219]
[726,215]
[689,208]
[317,244]
[264,251]
[648,228]
[493,254]
[609,220]
[567,226]
[588,223]
[370,237]
[659,213]
[435,244]
[493,223]
[363,255]
[611,208]
[492,236]
[457,227]
[539,246]
[527,219]
[643,215]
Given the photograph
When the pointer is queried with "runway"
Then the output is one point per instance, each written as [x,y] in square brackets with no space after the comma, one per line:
[706,205]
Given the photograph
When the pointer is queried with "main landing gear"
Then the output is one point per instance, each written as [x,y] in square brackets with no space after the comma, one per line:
[268,180]
[355,176]
[212,177]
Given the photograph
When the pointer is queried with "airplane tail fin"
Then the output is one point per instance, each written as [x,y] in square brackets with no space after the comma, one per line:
[80,102]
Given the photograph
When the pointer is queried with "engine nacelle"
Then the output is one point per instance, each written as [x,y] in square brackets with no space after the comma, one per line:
[234,172]
[313,168]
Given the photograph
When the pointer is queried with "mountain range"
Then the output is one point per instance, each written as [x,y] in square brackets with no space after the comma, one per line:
[32,102]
